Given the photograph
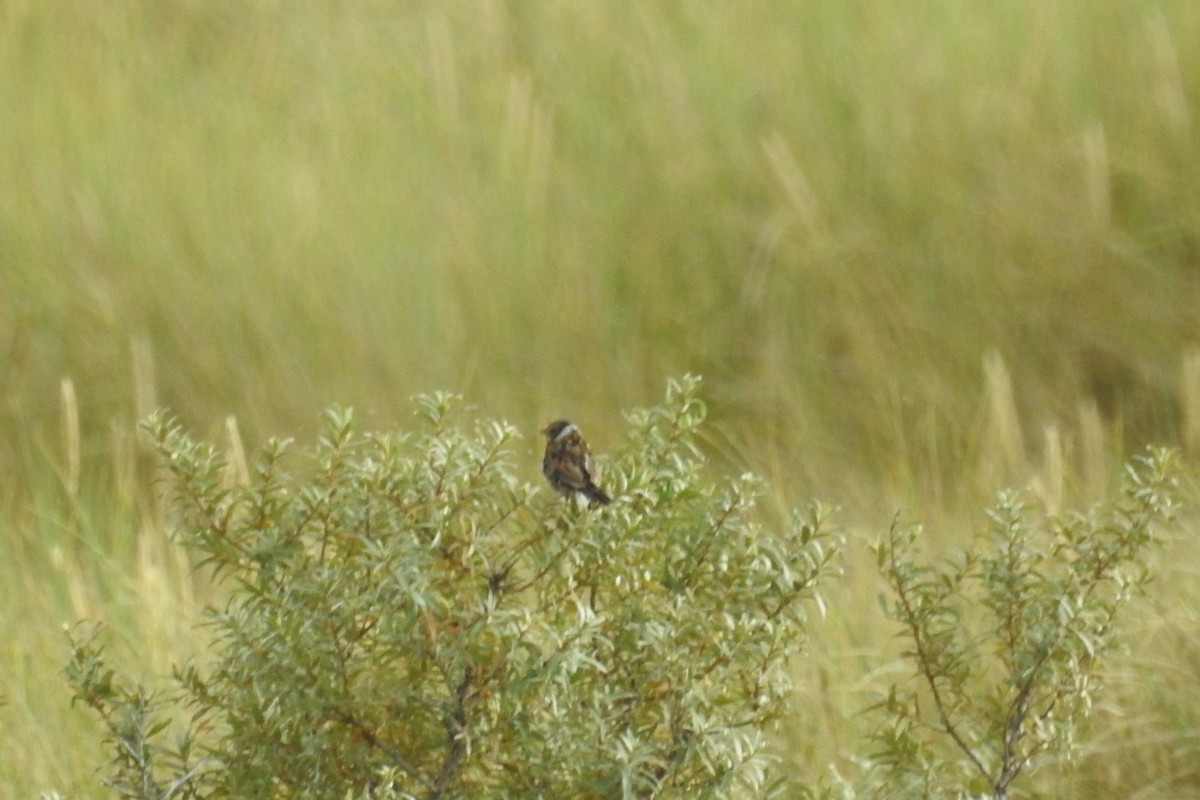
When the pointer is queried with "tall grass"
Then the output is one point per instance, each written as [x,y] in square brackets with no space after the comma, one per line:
[916,251]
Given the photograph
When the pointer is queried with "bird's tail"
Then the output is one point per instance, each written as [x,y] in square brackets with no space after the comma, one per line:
[596,495]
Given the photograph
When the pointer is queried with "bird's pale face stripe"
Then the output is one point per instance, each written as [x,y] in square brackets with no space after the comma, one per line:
[567,430]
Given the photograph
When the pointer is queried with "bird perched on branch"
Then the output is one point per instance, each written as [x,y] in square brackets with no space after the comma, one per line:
[568,463]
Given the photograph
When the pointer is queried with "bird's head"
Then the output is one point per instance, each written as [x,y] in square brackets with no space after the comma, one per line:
[558,428]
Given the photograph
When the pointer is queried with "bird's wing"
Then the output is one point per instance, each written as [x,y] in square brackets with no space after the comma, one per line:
[568,472]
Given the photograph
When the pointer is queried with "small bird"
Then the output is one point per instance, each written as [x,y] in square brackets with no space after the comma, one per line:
[568,463]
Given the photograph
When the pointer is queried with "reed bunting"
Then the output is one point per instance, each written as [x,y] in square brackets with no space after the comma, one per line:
[568,463]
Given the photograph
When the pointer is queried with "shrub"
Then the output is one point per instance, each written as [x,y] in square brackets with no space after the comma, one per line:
[1007,636]
[403,617]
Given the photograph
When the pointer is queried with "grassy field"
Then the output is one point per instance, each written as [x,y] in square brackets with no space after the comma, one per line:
[917,253]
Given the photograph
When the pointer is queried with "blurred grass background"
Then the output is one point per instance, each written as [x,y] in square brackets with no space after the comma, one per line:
[918,252]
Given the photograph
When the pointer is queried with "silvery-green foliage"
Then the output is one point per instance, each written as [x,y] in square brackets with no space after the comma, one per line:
[1007,634]
[405,616]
